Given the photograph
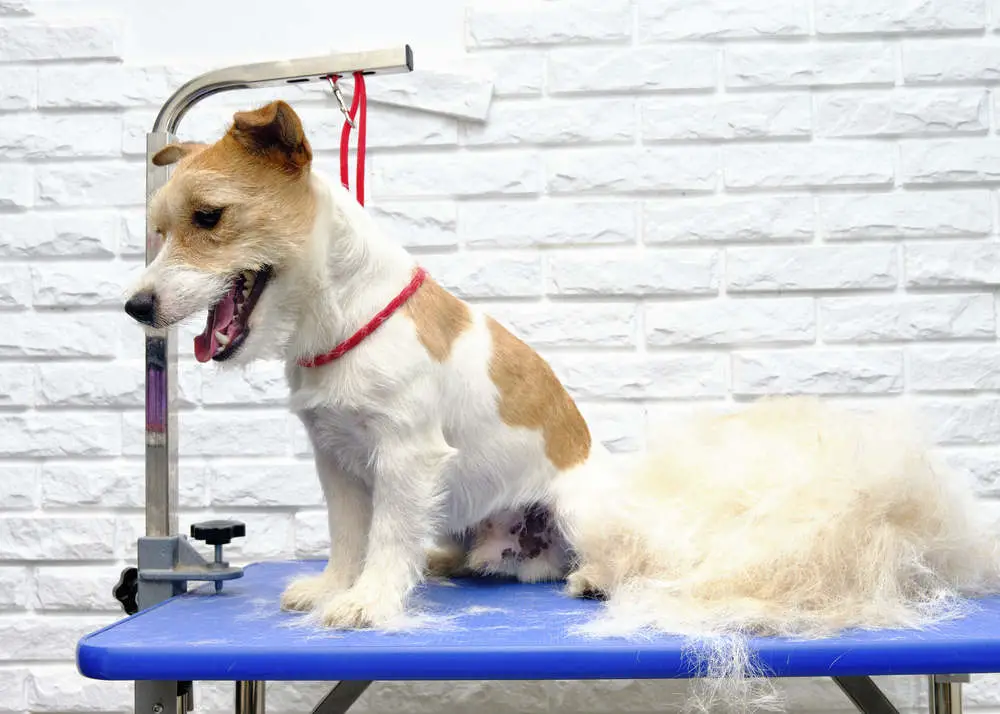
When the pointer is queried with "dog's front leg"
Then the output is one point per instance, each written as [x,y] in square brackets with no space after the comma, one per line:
[349,515]
[407,477]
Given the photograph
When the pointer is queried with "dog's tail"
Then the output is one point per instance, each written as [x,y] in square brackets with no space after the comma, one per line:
[792,516]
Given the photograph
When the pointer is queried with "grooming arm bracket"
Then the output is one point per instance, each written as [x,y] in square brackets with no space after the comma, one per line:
[268,74]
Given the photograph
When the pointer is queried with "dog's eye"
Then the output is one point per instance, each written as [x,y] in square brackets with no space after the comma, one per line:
[207,218]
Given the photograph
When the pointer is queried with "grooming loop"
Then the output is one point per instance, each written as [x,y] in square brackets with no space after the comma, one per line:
[356,116]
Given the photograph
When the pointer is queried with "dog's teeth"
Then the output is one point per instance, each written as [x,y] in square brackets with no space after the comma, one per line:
[246,293]
[221,338]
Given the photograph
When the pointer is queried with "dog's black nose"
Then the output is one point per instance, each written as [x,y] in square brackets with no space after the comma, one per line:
[142,307]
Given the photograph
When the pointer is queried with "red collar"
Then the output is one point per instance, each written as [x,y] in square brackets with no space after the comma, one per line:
[384,314]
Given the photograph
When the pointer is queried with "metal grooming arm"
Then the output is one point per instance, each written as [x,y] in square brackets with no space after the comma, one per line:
[167,560]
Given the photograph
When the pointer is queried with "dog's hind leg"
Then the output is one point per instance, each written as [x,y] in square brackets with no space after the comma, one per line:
[446,558]
[585,582]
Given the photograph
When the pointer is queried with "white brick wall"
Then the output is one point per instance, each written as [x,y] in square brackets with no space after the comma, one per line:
[674,200]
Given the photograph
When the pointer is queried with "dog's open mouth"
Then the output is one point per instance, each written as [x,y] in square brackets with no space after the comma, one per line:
[227,328]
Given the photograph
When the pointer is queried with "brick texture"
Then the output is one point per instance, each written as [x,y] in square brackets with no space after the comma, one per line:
[674,201]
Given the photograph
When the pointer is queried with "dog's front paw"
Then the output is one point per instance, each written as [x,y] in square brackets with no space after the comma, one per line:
[306,593]
[355,610]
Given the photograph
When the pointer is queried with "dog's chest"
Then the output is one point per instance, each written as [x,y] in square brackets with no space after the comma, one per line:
[344,436]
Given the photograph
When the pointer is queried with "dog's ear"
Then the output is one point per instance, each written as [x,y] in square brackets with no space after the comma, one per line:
[274,131]
[172,153]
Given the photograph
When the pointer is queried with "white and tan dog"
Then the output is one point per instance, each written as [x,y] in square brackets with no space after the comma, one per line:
[436,421]
[791,516]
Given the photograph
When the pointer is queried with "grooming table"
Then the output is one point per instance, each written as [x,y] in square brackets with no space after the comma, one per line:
[481,630]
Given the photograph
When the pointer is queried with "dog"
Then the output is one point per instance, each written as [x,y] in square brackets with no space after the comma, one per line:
[431,422]
[439,426]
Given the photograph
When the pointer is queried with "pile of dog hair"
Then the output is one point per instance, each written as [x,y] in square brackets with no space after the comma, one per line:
[793,516]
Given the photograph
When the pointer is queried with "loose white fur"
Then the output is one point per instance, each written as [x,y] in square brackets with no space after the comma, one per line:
[792,516]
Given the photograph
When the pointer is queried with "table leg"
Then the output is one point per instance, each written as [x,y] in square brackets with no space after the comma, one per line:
[944,694]
[866,695]
[250,697]
[155,697]
[341,697]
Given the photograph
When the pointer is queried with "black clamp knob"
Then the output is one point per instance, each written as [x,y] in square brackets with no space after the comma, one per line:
[126,591]
[218,532]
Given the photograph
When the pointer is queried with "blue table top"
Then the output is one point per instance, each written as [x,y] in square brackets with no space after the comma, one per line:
[476,629]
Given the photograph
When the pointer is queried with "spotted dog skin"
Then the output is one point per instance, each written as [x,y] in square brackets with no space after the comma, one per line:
[523,543]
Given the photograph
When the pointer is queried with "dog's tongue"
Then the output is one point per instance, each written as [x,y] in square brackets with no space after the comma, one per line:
[219,318]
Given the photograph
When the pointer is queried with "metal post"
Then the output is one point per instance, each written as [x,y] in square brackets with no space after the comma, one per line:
[161,385]
[161,351]
[185,697]
[156,698]
[249,698]
[944,695]
[161,455]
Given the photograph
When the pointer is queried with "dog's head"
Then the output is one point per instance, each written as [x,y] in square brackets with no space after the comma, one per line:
[232,216]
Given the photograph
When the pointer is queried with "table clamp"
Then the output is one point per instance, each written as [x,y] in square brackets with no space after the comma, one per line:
[167,563]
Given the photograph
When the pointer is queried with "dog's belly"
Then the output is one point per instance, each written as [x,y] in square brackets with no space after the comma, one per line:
[525,543]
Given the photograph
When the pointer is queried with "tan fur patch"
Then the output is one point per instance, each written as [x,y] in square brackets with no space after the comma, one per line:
[258,174]
[275,132]
[532,396]
[439,317]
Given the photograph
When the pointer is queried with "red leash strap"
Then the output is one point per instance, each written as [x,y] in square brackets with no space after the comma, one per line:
[357,114]
[361,91]
[384,314]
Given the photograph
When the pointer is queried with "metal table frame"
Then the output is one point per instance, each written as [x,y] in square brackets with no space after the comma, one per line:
[167,552]
[944,695]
